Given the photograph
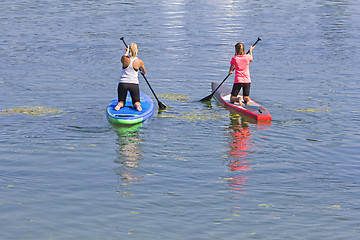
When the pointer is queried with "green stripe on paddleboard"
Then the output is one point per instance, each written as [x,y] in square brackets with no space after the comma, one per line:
[113,119]
[124,121]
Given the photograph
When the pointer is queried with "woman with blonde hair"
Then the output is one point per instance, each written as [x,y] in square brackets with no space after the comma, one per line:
[129,80]
[240,63]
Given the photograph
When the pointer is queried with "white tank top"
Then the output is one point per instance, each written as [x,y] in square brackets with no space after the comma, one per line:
[129,75]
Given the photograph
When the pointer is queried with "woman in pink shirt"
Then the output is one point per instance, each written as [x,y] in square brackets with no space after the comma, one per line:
[240,63]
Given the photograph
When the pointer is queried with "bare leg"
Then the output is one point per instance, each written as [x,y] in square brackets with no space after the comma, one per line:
[119,105]
[137,105]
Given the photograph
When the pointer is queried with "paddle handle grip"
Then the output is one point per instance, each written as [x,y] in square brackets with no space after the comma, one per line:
[122,39]
[259,39]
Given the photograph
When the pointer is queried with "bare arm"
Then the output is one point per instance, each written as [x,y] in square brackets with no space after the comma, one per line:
[231,70]
[142,67]
[251,49]
[125,58]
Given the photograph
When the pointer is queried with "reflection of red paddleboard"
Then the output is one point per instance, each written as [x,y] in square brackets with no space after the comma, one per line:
[252,110]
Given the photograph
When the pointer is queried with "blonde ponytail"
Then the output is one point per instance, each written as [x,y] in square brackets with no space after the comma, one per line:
[133,50]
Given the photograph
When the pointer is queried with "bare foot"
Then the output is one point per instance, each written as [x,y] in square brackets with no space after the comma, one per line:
[234,99]
[137,105]
[247,100]
[118,106]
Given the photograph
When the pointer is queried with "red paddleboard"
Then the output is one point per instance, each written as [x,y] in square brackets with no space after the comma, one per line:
[252,109]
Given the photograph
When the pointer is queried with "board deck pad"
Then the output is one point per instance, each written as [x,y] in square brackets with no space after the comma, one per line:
[128,114]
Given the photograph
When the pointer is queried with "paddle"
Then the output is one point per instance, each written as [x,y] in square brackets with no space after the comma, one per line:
[160,104]
[208,98]
[256,108]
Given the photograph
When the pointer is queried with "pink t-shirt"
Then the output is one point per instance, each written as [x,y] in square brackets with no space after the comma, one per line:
[242,73]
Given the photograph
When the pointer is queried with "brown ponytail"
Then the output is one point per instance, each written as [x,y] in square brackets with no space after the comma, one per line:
[239,49]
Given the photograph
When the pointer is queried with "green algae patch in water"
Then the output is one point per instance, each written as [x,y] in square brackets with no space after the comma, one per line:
[174,97]
[311,110]
[31,110]
[305,109]
[193,116]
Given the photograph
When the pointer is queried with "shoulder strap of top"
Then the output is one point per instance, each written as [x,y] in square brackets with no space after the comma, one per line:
[131,63]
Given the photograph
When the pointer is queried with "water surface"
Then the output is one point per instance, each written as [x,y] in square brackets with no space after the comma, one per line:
[194,171]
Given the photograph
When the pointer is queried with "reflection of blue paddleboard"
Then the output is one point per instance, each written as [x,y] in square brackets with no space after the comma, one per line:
[128,114]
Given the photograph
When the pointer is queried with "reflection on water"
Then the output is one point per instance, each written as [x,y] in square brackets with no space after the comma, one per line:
[129,157]
[240,147]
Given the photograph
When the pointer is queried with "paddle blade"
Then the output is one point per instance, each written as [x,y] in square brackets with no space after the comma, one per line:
[206,99]
[161,105]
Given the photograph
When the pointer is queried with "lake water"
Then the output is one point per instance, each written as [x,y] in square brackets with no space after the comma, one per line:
[194,171]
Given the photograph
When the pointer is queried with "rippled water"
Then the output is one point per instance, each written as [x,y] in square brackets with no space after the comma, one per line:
[194,171]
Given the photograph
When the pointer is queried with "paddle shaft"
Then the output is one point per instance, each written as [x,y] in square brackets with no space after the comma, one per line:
[160,104]
[208,98]
[259,39]
[205,99]
[256,108]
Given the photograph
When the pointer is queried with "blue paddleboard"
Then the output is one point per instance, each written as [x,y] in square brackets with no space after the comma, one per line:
[128,115]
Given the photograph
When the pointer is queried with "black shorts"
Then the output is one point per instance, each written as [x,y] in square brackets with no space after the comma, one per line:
[237,87]
[134,90]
